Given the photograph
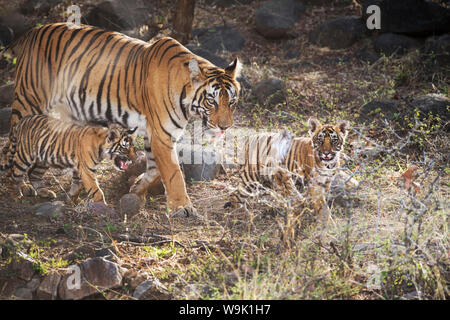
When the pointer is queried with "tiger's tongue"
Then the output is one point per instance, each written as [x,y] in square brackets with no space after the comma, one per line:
[123,165]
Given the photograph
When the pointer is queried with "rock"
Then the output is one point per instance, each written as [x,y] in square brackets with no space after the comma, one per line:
[220,38]
[96,275]
[380,109]
[275,19]
[48,290]
[6,91]
[6,37]
[391,43]
[17,22]
[105,16]
[54,209]
[37,7]
[436,104]
[130,204]
[23,266]
[5,118]
[412,17]
[23,294]
[199,163]
[101,210]
[270,91]
[211,57]
[151,289]
[118,15]
[367,55]
[34,283]
[436,52]
[338,33]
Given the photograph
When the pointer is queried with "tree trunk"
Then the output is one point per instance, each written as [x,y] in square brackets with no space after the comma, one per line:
[183,17]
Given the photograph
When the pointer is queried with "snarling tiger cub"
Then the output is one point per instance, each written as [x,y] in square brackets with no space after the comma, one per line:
[39,142]
[83,73]
[282,162]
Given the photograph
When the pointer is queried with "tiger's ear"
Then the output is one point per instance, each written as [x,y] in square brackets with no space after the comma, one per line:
[195,71]
[313,124]
[344,127]
[234,69]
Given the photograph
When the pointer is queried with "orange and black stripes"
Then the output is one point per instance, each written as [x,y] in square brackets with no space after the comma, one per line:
[280,162]
[39,142]
[85,74]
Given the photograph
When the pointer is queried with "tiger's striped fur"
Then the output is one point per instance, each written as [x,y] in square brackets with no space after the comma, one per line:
[39,142]
[82,73]
[280,161]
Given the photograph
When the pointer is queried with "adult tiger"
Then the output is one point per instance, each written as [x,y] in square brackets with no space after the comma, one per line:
[82,73]
[280,161]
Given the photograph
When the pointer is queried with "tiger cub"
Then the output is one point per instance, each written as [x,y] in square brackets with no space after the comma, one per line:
[40,142]
[282,161]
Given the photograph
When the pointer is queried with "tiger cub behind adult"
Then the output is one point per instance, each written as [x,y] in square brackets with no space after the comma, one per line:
[40,142]
[281,161]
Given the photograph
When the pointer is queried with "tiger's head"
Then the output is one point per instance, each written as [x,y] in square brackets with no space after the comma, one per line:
[119,146]
[216,94]
[327,140]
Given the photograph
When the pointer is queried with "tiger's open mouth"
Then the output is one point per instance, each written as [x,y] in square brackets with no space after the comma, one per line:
[327,157]
[121,162]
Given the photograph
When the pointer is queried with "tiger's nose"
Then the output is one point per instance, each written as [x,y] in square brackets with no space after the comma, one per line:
[223,127]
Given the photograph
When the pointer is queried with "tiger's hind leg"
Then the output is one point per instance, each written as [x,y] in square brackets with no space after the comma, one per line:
[19,173]
[35,174]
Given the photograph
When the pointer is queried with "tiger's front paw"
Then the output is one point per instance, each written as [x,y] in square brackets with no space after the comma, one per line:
[46,193]
[186,211]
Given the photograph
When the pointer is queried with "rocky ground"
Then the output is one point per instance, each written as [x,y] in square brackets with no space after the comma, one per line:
[388,238]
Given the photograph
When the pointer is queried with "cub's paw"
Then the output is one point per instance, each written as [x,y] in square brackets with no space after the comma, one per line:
[46,193]
[27,190]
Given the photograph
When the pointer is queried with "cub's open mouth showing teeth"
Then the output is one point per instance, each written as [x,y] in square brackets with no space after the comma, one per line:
[121,163]
[326,157]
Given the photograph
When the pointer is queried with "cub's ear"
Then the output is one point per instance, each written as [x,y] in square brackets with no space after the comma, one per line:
[313,124]
[234,69]
[344,126]
[112,136]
